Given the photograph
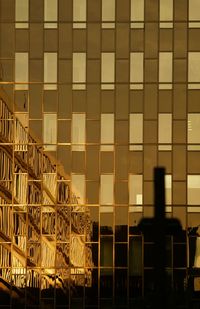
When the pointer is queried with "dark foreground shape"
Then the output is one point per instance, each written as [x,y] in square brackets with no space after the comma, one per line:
[160,227]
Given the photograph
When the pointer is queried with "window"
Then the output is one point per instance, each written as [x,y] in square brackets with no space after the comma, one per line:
[168,190]
[50,71]
[136,132]
[107,70]
[194,13]
[107,132]
[166,13]
[50,132]
[79,13]
[194,70]
[108,13]
[21,71]
[79,71]
[20,187]
[164,131]
[21,13]
[193,131]
[20,132]
[135,193]
[106,193]
[78,187]
[165,70]
[78,132]
[137,13]
[50,13]
[49,182]
[136,70]
[193,185]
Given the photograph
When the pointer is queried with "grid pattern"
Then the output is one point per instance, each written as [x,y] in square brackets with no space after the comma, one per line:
[109,90]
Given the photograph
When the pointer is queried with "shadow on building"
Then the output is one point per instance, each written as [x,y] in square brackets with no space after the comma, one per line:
[157,270]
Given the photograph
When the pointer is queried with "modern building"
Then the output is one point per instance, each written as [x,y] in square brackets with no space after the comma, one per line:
[109,89]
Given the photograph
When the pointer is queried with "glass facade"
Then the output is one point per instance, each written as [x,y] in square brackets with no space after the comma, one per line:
[93,95]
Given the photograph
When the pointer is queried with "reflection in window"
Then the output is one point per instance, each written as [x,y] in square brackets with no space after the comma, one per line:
[21,71]
[107,70]
[21,132]
[166,13]
[135,192]
[20,187]
[78,132]
[21,13]
[49,181]
[136,70]
[137,13]
[108,13]
[165,70]
[165,131]
[193,131]
[50,13]
[136,132]
[194,13]
[79,71]
[50,71]
[107,132]
[50,132]
[106,193]
[194,70]
[23,118]
[193,185]
[79,13]
[78,187]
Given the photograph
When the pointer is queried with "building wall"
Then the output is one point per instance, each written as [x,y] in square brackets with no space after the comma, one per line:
[111,89]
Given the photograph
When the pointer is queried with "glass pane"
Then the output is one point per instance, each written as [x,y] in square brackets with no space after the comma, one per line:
[137,10]
[193,128]
[79,10]
[106,251]
[78,187]
[165,67]
[78,132]
[194,67]
[79,67]
[21,10]
[165,128]
[120,255]
[108,10]
[21,71]
[107,187]
[137,13]
[193,189]
[194,10]
[166,10]
[50,10]
[135,189]
[136,67]
[79,13]
[107,67]
[107,131]
[168,189]
[50,131]
[50,70]
[136,129]
[197,253]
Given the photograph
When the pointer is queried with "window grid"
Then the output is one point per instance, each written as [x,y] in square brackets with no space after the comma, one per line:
[153,98]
